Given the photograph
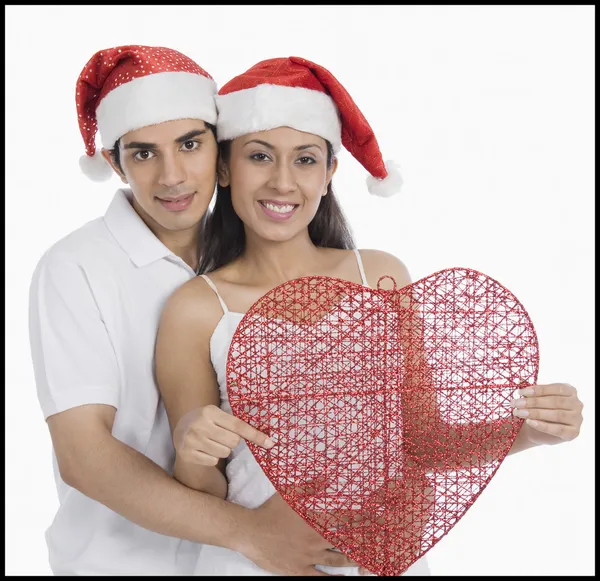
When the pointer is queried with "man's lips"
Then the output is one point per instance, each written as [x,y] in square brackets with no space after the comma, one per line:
[175,198]
[176,204]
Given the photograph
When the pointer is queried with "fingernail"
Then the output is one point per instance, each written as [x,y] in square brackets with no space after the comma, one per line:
[521,413]
[269,443]
[518,403]
[532,423]
[526,391]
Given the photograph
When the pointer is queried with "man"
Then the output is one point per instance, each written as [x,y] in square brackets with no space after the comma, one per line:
[95,301]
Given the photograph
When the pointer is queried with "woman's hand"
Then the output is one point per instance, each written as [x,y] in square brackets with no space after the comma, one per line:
[207,434]
[553,412]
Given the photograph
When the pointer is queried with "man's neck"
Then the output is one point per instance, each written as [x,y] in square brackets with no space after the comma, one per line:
[182,243]
[184,247]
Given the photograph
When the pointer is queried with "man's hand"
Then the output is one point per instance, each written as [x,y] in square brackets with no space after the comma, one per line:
[553,412]
[279,541]
[207,434]
[380,521]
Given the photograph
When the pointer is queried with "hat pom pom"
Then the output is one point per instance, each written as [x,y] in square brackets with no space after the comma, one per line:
[95,167]
[389,185]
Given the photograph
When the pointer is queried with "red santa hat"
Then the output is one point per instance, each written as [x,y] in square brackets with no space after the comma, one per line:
[294,92]
[125,88]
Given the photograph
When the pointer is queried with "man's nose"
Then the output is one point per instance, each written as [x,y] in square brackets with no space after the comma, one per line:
[172,171]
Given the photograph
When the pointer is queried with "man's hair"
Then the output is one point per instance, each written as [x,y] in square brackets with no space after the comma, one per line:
[115,154]
[223,234]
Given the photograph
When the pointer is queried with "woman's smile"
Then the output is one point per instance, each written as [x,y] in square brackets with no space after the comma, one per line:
[277,210]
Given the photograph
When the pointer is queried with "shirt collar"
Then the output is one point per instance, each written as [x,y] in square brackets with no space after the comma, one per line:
[131,232]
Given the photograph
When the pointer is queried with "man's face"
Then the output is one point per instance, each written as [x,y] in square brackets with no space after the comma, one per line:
[171,170]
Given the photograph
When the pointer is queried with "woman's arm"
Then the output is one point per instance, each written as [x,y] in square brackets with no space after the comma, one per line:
[456,444]
[186,378]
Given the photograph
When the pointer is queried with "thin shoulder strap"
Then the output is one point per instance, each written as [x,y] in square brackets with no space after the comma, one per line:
[211,284]
[360,267]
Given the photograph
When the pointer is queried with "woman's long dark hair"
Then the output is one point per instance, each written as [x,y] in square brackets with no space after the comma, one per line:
[223,234]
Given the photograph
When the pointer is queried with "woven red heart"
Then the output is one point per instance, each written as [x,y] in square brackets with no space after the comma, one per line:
[391,408]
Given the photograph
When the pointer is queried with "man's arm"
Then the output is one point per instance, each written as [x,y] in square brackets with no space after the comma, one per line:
[93,461]
[103,468]
[78,383]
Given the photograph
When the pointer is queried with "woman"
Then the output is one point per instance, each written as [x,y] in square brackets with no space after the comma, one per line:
[276,219]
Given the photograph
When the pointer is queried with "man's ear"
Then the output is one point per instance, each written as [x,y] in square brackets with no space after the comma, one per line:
[107,155]
[330,173]
[223,173]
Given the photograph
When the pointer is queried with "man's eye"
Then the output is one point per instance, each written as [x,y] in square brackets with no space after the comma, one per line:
[191,145]
[142,155]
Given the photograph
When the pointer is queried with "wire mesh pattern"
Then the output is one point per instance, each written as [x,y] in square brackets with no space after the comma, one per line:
[390,407]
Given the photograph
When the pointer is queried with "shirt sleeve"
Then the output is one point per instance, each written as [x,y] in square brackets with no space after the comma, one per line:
[73,358]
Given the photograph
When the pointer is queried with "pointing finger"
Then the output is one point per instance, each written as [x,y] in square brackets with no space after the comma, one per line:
[245,430]
[224,437]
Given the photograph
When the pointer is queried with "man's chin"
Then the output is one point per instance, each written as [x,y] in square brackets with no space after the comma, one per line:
[183,221]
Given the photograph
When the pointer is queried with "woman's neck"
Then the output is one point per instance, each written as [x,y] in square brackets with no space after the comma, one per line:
[273,263]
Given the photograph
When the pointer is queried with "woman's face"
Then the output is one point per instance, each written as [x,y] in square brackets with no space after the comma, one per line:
[277,180]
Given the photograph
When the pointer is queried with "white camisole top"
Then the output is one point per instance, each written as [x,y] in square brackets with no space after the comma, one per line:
[247,483]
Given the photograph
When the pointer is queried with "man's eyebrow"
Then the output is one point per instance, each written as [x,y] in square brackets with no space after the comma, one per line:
[139,145]
[191,134]
[147,145]
[299,148]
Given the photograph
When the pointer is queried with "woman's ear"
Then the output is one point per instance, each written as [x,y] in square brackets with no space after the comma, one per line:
[108,156]
[330,172]
[223,173]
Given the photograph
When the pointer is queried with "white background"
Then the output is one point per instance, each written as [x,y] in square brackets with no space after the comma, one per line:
[489,112]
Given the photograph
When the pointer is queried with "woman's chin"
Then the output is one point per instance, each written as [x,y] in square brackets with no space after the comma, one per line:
[277,233]
[266,229]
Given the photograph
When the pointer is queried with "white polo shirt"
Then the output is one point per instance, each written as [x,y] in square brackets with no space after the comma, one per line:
[95,303]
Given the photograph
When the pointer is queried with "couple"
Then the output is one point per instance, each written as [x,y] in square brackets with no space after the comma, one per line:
[119,317]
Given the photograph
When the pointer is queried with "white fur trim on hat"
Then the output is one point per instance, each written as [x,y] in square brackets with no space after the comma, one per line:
[269,106]
[388,186]
[153,99]
[96,168]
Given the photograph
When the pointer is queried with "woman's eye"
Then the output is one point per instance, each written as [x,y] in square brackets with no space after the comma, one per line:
[259,157]
[191,145]
[142,155]
[306,160]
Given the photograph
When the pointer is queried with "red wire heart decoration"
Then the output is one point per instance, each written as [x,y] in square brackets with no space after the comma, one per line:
[390,408]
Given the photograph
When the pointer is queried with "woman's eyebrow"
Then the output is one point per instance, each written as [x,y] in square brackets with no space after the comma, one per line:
[269,146]
[307,146]
[260,142]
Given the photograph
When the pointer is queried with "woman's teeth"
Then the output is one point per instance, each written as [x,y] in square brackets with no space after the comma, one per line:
[278,209]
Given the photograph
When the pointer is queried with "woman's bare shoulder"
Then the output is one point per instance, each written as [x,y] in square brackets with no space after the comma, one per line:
[378,263]
[194,304]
